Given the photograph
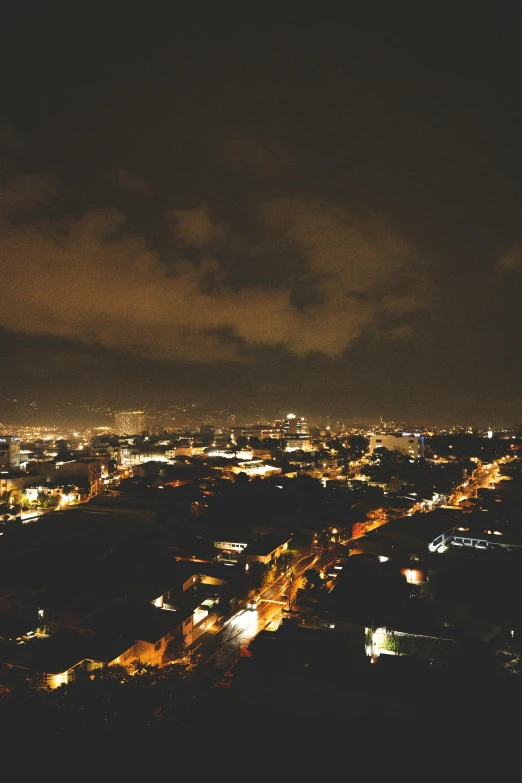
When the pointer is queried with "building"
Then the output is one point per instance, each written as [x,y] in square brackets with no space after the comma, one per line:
[407,444]
[129,422]
[55,661]
[231,546]
[90,470]
[295,433]
[65,493]
[188,450]
[132,455]
[103,459]
[9,452]
[254,467]
[207,431]
[14,483]
[464,537]
[295,427]
[260,431]
[267,549]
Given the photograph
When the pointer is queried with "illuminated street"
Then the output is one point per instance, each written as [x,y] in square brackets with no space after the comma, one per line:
[483,476]
[245,625]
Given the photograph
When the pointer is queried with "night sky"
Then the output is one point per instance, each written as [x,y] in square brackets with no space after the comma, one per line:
[262,211]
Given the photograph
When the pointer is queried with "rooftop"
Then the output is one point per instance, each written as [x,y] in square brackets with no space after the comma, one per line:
[66,649]
[267,544]
[147,623]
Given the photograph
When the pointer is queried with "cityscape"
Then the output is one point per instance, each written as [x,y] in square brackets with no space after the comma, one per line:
[260,389]
[214,556]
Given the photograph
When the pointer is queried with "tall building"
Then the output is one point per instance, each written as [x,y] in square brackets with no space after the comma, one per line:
[295,433]
[9,452]
[295,426]
[129,422]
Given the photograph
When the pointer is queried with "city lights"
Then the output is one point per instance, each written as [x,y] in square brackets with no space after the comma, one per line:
[261,421]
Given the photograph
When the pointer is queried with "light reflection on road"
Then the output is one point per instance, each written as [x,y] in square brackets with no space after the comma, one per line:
[240,629]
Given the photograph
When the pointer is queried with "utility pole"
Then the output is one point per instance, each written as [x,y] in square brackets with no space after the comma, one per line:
[291,580]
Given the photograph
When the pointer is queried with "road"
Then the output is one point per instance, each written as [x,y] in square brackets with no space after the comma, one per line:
[223,649]
[481,477]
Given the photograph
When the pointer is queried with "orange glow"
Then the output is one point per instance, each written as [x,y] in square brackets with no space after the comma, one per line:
[413,575]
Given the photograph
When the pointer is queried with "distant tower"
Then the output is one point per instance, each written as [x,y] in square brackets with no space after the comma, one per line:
[9,452]
[129,422]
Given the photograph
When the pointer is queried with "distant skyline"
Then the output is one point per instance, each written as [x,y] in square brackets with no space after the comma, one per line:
[260,213]
[193,415]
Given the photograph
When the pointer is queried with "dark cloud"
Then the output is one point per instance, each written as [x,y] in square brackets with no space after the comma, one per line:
[332,203]
[264,158]
[195,228]
[128,181]
[24,193]
[101,282]
[510,261]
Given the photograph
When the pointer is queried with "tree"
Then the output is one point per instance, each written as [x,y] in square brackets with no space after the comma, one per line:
[256,574]
[43,499]
[267,577]
[288,558]
[312,580]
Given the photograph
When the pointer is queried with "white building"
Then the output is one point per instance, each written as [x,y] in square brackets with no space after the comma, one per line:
[254,467]
[184,451]
[298,444]
[406,443]
[129,422]
[231,546]
[132,455]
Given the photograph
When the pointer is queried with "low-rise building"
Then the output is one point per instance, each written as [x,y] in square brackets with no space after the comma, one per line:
[65,493]
[231,546]
[254,467]
[128,456]
[15,483]
[54,661]
[266,549]
[87,471]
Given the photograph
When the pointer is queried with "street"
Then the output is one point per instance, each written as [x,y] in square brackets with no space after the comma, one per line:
[239,630]
[481,477]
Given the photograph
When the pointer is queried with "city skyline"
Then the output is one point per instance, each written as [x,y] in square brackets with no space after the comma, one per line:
[15,413]
[321,216]
[261,388]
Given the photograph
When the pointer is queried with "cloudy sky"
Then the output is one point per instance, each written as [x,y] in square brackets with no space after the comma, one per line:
[263,212]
